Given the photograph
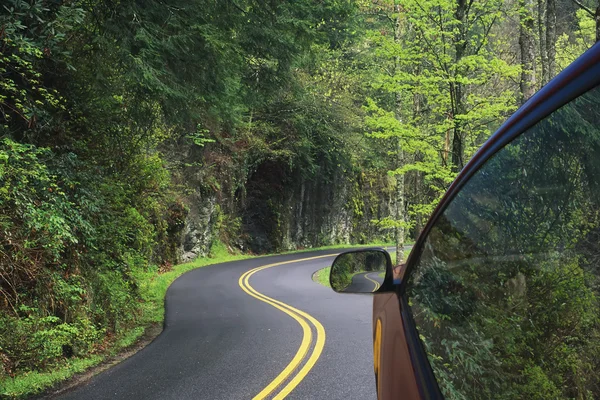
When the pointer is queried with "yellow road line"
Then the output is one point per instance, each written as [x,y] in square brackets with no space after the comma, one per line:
[302,350]
[300,317]
[374,281]
[318,349]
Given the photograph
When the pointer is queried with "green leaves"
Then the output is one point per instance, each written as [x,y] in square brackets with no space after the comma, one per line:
[32,35]
[439,86]
[33,201]
[199,138]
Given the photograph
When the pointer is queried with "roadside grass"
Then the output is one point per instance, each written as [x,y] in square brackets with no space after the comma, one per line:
[322,276]
[34,382]
[153,288]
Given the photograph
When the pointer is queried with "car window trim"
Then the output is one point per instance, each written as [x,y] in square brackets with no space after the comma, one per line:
[426,381]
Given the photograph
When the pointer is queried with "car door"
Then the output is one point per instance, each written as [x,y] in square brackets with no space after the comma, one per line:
[500,297]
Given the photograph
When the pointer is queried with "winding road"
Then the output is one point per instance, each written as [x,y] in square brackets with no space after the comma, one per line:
[364,282]
[251,329]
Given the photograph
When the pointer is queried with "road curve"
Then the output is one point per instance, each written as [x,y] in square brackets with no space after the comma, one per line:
[364,282]
[222,342]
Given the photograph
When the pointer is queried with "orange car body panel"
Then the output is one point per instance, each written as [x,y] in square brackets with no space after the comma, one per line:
[394,375]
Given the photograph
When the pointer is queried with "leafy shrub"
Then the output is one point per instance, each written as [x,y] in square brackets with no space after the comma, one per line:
[32,341]
[73,239]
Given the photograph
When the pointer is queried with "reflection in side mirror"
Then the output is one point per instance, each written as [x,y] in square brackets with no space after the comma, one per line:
[361,271]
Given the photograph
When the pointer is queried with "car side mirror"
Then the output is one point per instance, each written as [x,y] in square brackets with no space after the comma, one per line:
[361,271]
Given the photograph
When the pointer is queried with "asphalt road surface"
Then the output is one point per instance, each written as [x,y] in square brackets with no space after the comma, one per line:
[223,339]
[364,282]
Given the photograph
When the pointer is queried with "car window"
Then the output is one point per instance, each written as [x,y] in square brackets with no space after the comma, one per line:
[505,296]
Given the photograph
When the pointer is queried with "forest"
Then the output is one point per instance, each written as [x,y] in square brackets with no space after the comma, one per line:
[139,135]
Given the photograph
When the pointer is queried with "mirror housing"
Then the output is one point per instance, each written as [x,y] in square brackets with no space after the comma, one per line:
[361,271]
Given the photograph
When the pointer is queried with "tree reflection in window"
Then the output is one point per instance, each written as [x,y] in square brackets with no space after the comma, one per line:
[506,293]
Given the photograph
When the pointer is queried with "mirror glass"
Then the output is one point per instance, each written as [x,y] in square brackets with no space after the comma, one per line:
[358,271]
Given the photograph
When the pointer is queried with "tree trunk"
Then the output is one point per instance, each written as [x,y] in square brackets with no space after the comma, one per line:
[399,201]
[456,92]
[457,148]
[527,48]
[551,38]
[542,36]
[400,219]
[456,107]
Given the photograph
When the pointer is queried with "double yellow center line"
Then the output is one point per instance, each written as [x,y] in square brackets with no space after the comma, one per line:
[304,320]
[377,285]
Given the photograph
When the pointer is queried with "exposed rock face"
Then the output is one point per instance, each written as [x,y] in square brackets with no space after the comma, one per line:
[279,209]
[199,227]
[317,214]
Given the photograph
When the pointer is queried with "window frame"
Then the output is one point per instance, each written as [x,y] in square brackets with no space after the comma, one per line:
[575,80]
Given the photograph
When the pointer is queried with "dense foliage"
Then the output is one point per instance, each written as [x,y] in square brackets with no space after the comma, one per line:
[137,134]
[107,109]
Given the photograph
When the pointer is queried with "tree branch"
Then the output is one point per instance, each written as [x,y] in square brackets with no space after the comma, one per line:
[587,10]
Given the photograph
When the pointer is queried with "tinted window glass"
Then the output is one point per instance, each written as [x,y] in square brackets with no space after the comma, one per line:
[506,293]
